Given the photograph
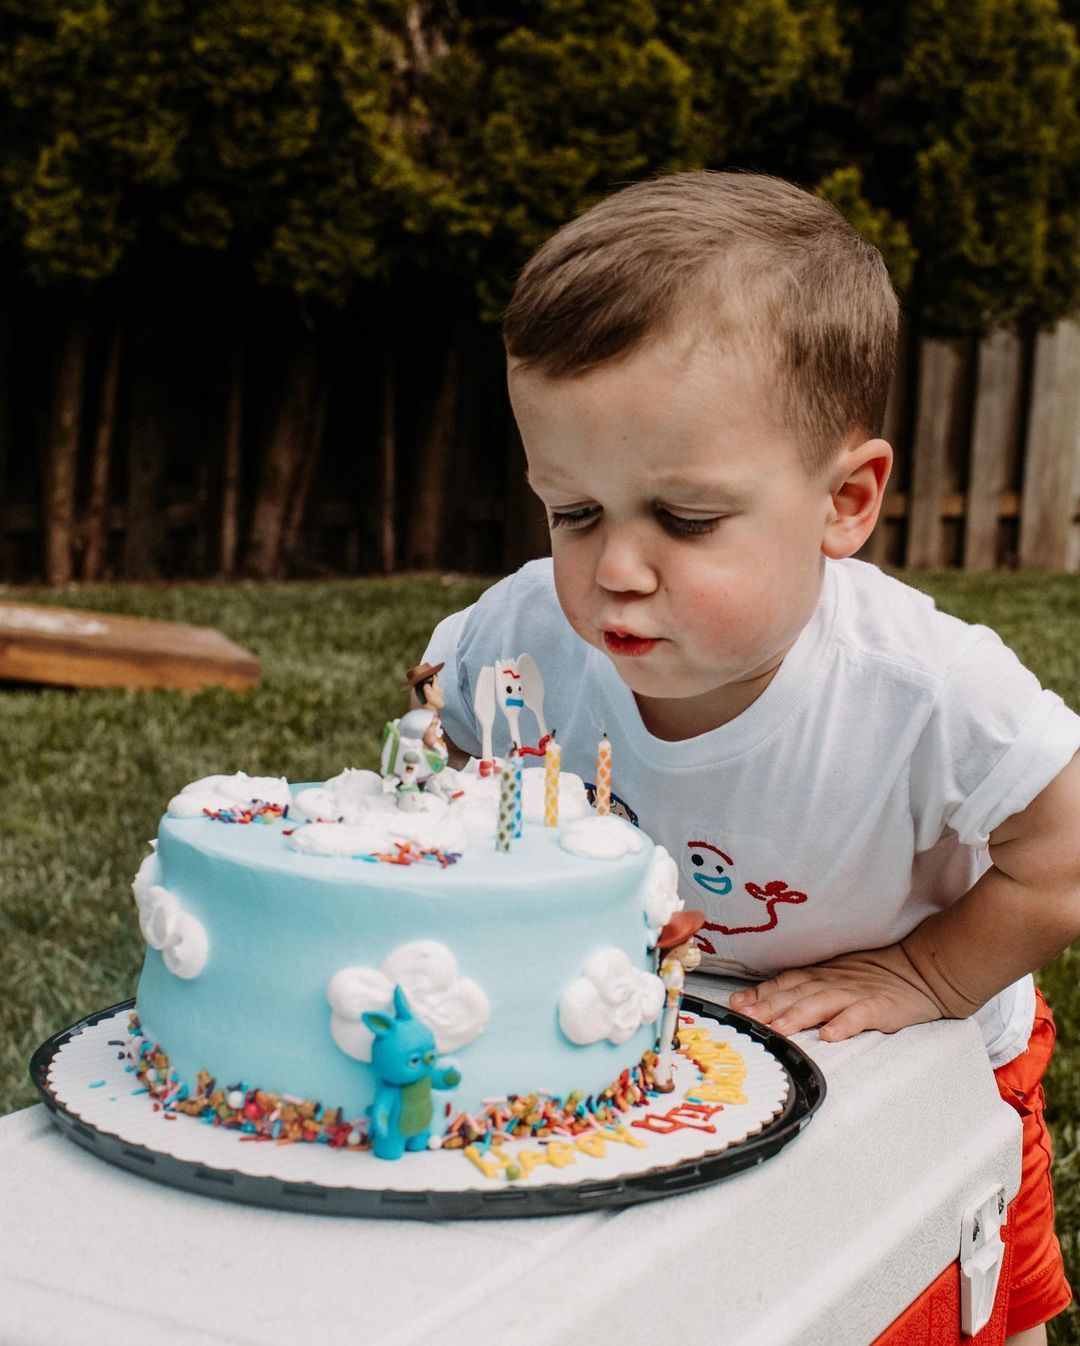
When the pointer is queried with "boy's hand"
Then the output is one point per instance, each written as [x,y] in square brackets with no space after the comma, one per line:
[878,989]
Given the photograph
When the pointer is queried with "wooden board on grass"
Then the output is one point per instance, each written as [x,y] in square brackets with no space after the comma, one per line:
[72,648]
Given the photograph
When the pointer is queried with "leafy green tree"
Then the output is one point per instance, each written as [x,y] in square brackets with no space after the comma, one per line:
[969,131]
[94,118]
[541,111]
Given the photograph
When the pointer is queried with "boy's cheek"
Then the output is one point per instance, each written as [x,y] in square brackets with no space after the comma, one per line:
[572,587]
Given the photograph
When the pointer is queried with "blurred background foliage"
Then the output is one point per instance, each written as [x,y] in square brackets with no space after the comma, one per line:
[326,145]
[340,193]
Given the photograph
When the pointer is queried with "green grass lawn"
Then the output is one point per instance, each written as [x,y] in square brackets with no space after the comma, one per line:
[88,774]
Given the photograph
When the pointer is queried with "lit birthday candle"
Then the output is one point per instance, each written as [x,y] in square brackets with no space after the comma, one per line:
[552,765]
[505,829]
[603,776]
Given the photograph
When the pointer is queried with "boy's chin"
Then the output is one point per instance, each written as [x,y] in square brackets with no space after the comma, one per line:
[648,682]
[660,685]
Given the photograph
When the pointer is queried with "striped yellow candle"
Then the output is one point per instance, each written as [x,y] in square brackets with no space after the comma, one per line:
[552,766]
[603,776]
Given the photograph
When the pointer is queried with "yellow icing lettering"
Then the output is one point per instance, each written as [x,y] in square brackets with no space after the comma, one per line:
[486,1166]
[559,1154]
[710,1091]
[530,1159]
[594,1145]
[620,1133]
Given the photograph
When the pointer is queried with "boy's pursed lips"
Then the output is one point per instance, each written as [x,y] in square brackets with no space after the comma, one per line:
[618,640]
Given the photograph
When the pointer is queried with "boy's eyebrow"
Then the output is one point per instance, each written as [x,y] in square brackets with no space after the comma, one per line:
[715,490]
[712,487]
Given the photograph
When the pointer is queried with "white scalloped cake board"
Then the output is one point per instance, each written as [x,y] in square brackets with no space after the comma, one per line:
[89,1079]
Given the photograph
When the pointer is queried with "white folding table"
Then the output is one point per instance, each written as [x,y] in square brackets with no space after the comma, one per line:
[826,1243]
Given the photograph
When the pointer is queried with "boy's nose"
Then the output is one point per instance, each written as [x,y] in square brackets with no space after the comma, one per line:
[623,567]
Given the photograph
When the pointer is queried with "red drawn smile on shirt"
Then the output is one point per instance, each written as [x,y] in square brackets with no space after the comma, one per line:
[773,893]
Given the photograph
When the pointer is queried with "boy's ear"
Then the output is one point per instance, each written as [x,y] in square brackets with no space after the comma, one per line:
[857,482]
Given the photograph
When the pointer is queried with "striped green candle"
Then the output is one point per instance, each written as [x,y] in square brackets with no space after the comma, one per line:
[508,799]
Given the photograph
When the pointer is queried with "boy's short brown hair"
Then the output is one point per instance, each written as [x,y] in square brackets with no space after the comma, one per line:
[760,263]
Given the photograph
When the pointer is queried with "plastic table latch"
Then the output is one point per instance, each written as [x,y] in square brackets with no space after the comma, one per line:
[981,1254]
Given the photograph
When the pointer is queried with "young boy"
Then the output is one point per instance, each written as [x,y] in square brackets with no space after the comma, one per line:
[875,804]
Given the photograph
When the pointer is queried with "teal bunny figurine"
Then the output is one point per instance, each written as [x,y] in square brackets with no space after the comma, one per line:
[403,1059]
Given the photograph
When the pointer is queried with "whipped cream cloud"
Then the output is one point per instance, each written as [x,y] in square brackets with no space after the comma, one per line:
[612,1000]
[454,1008]
[601,837]
[166,926]
[662,899]
[224,792]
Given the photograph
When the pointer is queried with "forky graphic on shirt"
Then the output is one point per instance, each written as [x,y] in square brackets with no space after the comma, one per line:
[513,685]
[710,873]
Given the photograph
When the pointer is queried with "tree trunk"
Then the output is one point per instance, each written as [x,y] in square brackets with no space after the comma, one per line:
[306,473]
[427,514]
[6,386]
[231,464]
[280,464]
[62,448]
[388,440]
[94,528]
[144,524]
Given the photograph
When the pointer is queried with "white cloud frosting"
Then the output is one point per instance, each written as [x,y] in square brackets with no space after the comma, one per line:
[166,926]
[436,828]
[349,796]
[612,1000]
[662,898]
[358,815]
[357,812]
[601,837]
[224,792]
[454,1008]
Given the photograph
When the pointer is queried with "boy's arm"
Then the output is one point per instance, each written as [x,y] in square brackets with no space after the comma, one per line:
[1022,912]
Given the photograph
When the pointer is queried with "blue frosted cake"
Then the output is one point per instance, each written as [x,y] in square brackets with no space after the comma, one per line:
[282,921]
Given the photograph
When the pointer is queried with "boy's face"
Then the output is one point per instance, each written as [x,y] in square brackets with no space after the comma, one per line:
[686,532]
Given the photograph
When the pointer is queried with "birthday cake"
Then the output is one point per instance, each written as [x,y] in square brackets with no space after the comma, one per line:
[269,940]
[412,963]
[488,926]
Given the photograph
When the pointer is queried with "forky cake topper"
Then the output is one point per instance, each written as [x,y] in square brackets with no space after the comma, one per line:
[513,685]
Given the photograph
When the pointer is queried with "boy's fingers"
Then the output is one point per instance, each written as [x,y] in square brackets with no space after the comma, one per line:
[854,1019]
[886,1014]
[768,1007]
[782,982]
[811,1010]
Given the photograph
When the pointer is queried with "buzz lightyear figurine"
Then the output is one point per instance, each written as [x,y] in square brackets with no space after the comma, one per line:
[413,747]
[678,956]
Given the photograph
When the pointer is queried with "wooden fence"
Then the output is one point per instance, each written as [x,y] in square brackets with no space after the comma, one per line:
[988,467]
[176,484]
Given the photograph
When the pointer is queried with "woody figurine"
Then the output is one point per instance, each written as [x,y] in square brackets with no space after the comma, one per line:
[427,695]
[678,956]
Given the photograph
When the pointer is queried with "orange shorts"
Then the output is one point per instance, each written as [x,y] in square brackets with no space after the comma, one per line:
[1038,1289]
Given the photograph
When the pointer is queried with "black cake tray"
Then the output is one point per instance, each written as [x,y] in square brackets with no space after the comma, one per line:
[806,1093]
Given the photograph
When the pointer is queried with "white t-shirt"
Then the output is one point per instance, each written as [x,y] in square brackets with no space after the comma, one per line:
[850,801]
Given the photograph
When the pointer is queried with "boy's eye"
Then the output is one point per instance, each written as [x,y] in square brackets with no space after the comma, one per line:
[676,523]
[573,518]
